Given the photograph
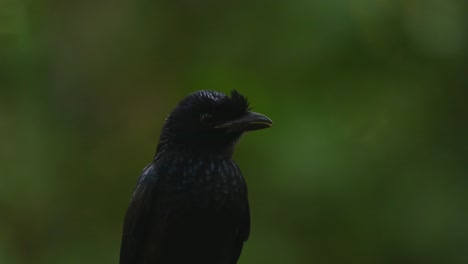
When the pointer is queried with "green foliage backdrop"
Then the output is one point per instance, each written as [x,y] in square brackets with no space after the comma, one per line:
[366,162]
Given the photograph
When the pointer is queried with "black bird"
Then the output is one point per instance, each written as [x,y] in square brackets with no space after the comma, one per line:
[190,203]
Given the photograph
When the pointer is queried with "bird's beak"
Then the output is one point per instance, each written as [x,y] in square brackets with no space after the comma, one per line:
[250,121]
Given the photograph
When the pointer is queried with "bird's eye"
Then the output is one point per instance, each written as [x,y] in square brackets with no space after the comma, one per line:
[206,119]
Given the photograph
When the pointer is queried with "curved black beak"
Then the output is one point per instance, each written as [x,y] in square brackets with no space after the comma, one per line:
[250,121]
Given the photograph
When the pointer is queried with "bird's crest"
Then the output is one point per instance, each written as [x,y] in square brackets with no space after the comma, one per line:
[235,103]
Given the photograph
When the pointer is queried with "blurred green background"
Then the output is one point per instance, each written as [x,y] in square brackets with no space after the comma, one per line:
[366,163]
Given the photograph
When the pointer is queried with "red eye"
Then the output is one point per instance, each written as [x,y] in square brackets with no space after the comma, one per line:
[206,119]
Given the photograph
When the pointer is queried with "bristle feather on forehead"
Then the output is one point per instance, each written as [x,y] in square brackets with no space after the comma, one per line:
[240,100]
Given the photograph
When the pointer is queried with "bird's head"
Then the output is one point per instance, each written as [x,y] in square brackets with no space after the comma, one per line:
[210,121]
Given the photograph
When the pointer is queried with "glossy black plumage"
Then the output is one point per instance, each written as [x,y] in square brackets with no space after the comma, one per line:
[190,203]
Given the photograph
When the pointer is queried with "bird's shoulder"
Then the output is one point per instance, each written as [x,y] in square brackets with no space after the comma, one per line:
[138,215]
